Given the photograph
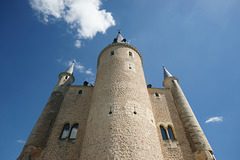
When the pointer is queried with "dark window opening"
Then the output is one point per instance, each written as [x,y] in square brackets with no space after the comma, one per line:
[170,133]
[156,94]
[135,112]
[164,133]
[65,131]
[112,53]
[80,92]
[74,130]
[110,112]
[130,53]
[66,77]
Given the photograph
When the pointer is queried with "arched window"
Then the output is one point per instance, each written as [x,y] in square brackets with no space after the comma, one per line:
[170,133]
[112,53]
[156,94]
[65,131]
[130,54]
[74,130]
[164,133]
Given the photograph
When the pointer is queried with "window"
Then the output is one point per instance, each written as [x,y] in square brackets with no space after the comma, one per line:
[164,133]
[80,92]
[112,53]
[65,131]
[130,66]
[74,130]
[156,94]
[130,54]
[170,133]
[66,77]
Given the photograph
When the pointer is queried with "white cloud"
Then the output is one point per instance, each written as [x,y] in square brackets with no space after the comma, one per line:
[89,71]
[84,16]
[20,141]
[214,119]
[54,8]
[78,43]
[79,67]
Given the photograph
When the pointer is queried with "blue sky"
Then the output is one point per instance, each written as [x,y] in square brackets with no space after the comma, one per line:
[197,40]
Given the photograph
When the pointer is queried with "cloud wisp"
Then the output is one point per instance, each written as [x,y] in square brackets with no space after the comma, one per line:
[83,16]
[214,119]
[89,71]
[78,67]
[21,141]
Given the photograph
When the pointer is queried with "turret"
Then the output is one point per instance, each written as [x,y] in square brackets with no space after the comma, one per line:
[198,141]
[65,79]
[121,111]
[38,138]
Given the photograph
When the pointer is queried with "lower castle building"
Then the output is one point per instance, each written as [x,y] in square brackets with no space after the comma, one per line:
[119,118]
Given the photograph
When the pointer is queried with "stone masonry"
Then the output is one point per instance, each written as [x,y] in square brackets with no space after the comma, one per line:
[118,118]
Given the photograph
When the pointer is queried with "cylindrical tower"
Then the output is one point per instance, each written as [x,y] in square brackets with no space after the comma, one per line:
[197,139]
[38,138]
[120,123]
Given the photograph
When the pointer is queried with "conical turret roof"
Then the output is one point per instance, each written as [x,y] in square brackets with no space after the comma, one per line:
[70,68]
[119,38]
[166,73]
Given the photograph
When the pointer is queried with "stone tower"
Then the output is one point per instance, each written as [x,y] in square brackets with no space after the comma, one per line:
[38,138]
[118,118]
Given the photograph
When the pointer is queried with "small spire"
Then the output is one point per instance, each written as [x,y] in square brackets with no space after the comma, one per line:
[166,73]
[119,38]
[70,68]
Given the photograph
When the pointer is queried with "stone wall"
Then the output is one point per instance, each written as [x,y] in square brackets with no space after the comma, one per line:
[121,123]
[165,113]
[38,138]
[74,110]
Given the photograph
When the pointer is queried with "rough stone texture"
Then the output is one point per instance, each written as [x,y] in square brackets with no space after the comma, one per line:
[38,138]
[74,110]
[119,118]
[122,91]
[165,113]
[198,141]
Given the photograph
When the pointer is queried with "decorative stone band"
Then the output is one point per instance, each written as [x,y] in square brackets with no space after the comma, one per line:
[120,44]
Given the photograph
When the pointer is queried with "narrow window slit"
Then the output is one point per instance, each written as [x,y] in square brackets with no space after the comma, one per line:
[65,131]
[170,133]
[164,133]
[80,92]
[74,130]
[110,112]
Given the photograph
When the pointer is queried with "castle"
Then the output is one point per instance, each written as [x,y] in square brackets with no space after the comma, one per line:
[119,118]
